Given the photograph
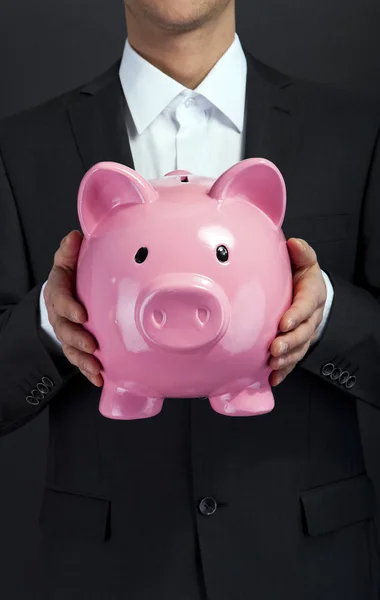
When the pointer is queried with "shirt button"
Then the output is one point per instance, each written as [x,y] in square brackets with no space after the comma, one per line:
[208,506]
[189,102]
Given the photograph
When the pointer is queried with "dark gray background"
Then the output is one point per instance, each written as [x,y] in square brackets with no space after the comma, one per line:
[48,47]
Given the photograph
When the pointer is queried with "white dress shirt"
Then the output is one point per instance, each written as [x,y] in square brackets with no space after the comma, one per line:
[171,127]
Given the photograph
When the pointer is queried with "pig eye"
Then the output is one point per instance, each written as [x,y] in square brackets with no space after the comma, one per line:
[141,255]
[222,254]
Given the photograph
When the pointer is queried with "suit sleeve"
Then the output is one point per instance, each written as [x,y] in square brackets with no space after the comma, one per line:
[348,353]
[29,375]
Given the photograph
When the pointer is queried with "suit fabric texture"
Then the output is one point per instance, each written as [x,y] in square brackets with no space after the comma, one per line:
[296,490]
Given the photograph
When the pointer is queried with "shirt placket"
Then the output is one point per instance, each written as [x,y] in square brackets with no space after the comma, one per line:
[191,138]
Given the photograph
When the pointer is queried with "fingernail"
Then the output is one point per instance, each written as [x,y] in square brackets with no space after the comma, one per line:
[291,324]
[280,362]
[279,379]
[64,240]
[77,317]
[284,347]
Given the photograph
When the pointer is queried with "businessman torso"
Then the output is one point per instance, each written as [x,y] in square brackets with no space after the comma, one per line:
[123,515]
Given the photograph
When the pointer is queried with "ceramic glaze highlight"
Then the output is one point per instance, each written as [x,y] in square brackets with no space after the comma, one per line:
[185,280]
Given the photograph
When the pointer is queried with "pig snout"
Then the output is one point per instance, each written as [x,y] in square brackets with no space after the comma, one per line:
[183,312]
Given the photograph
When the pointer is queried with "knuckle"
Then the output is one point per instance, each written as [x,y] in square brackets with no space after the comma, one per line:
[47,292]
[59,329]
[67,309]
[84,344]
[318,320]
[70,354]
[75,338]
[304,350]
[289,369]
[64,331]
[313,325]
[80,343]
[83,364]
[313,253]
[57,257]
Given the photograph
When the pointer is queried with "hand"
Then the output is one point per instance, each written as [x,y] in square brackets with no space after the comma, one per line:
[300,323]
[66,315]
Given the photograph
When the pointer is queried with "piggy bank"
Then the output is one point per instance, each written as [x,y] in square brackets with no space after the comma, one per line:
[185,280]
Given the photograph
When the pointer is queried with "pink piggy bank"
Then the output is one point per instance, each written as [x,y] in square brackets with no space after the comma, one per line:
[185,280]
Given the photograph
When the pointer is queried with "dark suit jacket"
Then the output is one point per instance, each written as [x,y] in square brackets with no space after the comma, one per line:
[295,489]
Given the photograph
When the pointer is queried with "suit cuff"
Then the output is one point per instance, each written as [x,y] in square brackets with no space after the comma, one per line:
[50,339]
[30,375]
[327,307]
[347,354]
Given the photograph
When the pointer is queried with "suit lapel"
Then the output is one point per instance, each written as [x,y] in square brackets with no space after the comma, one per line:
[98,122]
[99,125]
[271,123]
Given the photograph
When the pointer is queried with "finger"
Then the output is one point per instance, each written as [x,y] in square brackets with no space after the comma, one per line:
[303,333]
[96,380]
[294,357]
[306,301]
[67,254]
[60,301]
[82,360]
[278,377]
[74,335]
[302,256]
[61,281]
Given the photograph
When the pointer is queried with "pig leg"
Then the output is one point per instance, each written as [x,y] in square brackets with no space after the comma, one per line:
[254,400]
[117,403]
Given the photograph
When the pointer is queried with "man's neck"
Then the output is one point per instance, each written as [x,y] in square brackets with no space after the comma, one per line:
[186,57]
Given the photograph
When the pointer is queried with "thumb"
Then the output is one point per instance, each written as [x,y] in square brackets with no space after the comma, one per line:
[301,254]
[67,254]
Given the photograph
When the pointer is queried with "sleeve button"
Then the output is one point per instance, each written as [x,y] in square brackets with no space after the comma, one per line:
[327,369]
[37,394]
[350,382]
[48,382]
[344,377]
[32,400]
[43,388]
[336,374]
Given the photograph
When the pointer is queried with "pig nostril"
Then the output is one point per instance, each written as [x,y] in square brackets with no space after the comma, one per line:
[203,315]
[159,318]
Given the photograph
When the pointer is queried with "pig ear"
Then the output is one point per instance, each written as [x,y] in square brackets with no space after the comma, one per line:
[258,181]
[104,187]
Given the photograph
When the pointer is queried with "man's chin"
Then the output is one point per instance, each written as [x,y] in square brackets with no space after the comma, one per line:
[172,17]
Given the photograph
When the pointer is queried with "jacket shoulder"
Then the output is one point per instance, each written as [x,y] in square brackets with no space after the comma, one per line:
[56,107]
[319,96]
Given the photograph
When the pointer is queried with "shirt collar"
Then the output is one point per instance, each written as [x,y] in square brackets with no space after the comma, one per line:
[149,91]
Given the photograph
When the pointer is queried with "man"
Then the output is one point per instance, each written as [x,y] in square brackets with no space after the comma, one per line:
[192,505]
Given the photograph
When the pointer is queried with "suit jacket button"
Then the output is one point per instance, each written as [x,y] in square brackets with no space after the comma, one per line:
[33,401]
[48,382]
[43,388]
[208,506]
[37,394]
[350,382]
[327,369]
[336,374]
[344,377]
